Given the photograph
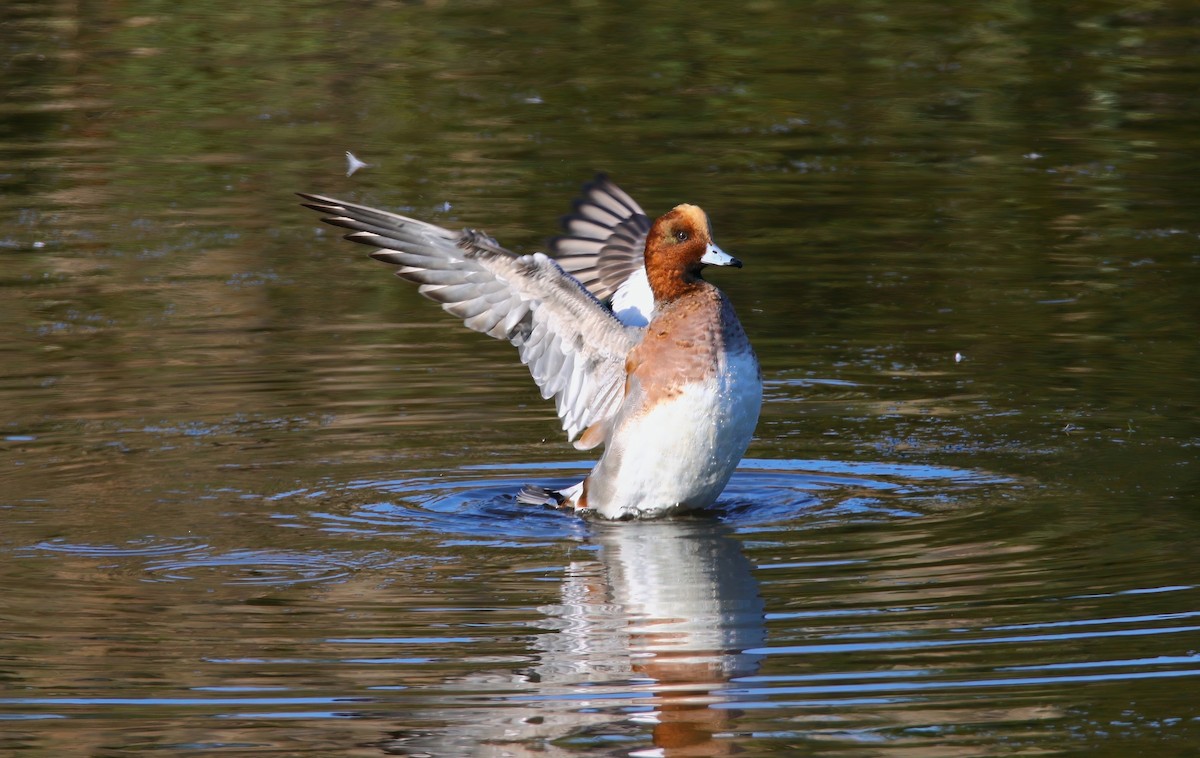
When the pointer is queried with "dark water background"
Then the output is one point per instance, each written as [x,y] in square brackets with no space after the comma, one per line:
[256,495]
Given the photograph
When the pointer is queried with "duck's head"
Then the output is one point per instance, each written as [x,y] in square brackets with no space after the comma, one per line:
[678,248]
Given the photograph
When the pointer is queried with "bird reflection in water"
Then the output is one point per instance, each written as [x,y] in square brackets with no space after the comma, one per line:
[648,635]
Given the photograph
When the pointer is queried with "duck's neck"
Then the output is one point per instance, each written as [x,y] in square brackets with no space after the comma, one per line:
[669,286]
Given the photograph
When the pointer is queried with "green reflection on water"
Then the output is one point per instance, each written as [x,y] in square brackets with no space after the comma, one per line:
[905,181]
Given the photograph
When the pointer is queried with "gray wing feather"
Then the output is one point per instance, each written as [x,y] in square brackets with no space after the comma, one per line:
[573,345]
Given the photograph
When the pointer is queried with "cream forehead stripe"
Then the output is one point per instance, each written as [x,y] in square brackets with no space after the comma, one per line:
[695,216]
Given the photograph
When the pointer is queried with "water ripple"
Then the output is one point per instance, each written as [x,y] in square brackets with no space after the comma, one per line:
[476,505]
[264,567]
[147,548]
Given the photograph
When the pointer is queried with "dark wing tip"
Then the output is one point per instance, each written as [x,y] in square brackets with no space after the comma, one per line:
[599,180]
[319,203]
[311,198]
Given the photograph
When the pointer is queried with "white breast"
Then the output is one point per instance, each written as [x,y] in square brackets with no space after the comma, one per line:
[680,453]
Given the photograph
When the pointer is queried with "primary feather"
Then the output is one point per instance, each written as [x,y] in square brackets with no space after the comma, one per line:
[574,347]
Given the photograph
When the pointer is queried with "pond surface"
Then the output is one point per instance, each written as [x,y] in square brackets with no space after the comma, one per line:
[256,494]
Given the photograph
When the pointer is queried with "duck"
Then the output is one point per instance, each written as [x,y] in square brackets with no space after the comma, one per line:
[640,353]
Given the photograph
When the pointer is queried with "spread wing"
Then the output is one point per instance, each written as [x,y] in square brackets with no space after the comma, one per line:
[573,345]
[605,238]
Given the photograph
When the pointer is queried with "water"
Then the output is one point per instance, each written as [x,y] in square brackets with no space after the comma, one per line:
[256,495]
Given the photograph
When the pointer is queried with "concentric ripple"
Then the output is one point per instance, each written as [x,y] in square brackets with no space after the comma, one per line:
[477,504]
[140,548]
[263,567]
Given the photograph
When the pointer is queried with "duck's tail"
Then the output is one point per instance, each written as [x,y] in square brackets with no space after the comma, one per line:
[532,494]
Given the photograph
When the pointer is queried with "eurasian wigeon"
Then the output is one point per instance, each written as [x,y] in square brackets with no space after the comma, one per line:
[674,401]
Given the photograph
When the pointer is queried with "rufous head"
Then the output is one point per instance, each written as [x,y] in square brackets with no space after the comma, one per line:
[678,246]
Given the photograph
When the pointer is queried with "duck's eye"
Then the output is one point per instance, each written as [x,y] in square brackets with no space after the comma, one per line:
[681,236]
